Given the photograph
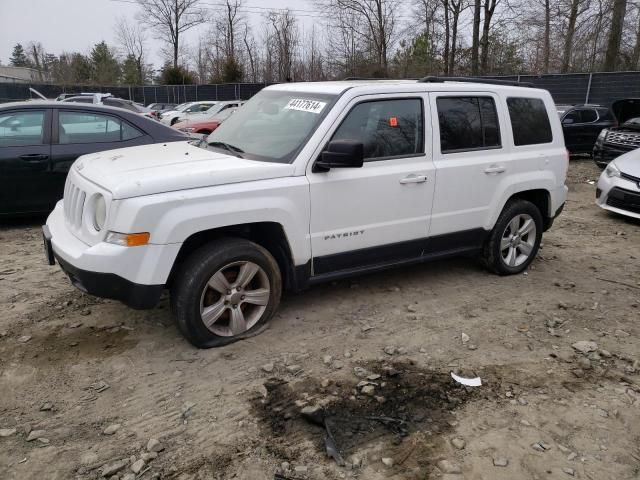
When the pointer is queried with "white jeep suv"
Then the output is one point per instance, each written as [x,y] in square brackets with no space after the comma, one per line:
[312,182]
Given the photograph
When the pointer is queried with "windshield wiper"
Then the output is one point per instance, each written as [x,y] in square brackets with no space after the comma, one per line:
[228,147]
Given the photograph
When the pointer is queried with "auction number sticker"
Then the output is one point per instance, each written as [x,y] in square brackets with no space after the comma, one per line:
[311,106]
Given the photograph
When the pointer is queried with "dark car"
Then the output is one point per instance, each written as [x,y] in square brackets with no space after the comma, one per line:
[40,140]
[582,124]
[618,140]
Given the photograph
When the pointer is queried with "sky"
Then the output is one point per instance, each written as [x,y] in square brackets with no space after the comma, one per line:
[76,25]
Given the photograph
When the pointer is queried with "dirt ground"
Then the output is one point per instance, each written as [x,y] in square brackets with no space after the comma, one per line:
[366,359]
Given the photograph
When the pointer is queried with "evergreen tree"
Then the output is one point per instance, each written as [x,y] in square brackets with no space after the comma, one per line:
[104,65]
[19,57]
[81,70]
[131,72]
[170,75]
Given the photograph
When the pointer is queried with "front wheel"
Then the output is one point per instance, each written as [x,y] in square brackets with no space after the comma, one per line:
[515,238]
[225,291]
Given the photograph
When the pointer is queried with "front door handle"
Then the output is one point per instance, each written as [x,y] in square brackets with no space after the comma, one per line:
[494,169]
[34,157]
[414,179]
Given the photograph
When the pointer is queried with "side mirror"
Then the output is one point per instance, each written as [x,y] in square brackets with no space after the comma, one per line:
[567,121]
[341,154]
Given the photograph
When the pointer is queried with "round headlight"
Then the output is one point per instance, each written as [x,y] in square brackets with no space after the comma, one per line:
[99,213]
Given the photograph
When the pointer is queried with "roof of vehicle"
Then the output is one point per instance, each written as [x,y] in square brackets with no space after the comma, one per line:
[382,86]
[153,127]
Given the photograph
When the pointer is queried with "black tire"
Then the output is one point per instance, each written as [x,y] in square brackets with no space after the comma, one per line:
[493,255]
[174,121]
[188,289]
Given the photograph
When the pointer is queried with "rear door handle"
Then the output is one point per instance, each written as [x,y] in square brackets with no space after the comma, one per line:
[414,179]
[34,157]
[494,169]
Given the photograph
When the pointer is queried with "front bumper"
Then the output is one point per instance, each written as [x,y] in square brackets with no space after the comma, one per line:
[135,276]
[618,195]
[109,285]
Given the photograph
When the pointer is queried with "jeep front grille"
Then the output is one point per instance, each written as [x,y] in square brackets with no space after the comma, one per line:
[73,203]
[624,139]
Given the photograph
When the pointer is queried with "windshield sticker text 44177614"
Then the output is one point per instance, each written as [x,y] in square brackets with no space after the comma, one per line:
[311,106]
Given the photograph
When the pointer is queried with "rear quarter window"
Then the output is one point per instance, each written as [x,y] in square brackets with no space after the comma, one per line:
[529,121]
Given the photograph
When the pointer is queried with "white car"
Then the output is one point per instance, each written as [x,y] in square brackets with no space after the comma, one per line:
[618,188]
[311,182]
[209,114]
[184,110]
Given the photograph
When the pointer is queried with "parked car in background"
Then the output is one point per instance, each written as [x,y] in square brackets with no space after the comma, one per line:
[109,101]
[618,189]
[581,125]
[561,108]
[618,140]
[64,96]
[161,106]
[158,108]
[39,141]
[184,110]
[215,109]
[204,126]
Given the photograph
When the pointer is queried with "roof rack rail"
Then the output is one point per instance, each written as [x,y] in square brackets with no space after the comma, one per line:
[489,81]
[365,78]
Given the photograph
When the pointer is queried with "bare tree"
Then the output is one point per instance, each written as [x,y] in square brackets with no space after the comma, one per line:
[635,54]
[615,35]
[285,38]
[447,36]
[250,47]
[131,39]
[170,19]
[489,8]
[574,12]
[475,46]
[378,19]
[457,7]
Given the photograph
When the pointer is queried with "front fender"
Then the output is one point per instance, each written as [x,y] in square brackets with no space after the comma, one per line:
[173,217]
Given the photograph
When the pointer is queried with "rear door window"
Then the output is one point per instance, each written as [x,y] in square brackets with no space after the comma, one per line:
[588,115]
[468,123]
[529,121]
[87,127]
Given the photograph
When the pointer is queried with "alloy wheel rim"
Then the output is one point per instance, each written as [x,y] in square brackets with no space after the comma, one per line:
[518,240]
[234,298]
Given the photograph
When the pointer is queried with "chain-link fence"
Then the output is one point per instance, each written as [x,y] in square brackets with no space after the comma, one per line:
[142,94]
[570,88]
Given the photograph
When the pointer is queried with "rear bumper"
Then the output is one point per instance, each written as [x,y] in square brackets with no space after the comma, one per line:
[109,285]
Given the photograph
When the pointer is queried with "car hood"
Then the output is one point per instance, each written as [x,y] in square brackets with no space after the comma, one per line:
[626,109]
[629,163]
[149,169]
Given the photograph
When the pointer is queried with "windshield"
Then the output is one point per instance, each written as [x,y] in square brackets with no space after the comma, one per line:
[182,106]
[634,122]
[274,125]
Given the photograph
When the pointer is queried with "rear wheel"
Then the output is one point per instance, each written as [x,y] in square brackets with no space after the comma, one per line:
[225,291]
[515,238]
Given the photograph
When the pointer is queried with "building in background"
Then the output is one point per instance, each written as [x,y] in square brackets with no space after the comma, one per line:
[23,75]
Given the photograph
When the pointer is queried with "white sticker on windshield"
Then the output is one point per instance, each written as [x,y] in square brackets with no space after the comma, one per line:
[311,106]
